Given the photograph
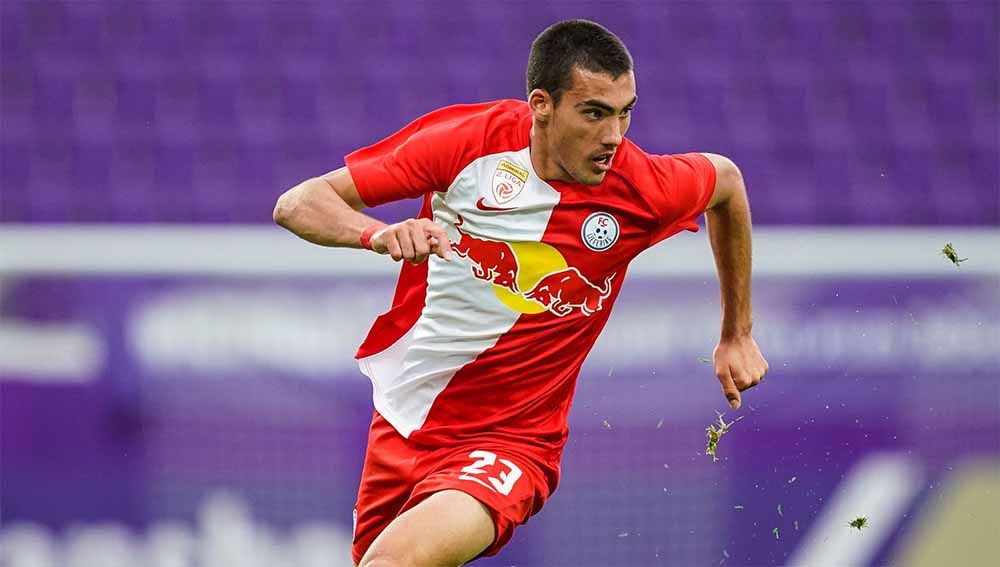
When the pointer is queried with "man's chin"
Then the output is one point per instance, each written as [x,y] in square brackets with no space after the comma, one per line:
[587,176]
[592,179]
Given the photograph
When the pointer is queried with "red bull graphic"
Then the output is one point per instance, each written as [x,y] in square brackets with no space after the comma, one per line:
[514,266]
[561,292]
[492,261]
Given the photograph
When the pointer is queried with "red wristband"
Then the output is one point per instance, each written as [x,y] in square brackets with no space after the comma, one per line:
[368,233]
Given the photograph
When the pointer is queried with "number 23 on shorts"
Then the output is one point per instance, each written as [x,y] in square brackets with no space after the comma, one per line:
[507,474]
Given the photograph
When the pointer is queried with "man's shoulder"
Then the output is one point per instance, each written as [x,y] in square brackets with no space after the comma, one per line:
[635,154]
[636,162]
[481,128]
[507,107]
[496,113]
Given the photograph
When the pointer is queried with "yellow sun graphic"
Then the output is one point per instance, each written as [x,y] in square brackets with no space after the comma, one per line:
[535,260]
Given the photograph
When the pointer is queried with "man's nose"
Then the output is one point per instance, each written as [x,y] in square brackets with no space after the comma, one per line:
[612,135]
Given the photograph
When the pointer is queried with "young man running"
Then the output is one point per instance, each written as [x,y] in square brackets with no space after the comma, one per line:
[531,214]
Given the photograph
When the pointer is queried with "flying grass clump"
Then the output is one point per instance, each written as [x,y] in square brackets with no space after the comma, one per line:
[949,252]
[715,433]
[859,523]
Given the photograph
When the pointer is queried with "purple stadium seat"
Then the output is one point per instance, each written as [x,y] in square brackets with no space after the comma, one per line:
[808,93]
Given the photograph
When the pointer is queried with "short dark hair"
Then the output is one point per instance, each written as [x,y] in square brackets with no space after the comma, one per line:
[574,43]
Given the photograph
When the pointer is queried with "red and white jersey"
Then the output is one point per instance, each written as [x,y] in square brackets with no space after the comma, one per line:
[491,343]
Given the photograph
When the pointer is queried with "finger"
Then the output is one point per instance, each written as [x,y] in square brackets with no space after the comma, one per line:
[433,245]
[762,365]
[406,243]
[729,388]
[441,248]
[443,245]
[443,242]
[392,246]
[419,259]
[444,249]
[421,246]
[742,379]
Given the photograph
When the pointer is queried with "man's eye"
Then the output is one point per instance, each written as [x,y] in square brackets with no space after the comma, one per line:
[595,114]
[627,111]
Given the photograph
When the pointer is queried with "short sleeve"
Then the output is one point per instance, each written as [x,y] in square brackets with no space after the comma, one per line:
[424,156]
[685,184]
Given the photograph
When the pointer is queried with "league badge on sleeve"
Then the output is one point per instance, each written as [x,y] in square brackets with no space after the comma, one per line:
[600,231]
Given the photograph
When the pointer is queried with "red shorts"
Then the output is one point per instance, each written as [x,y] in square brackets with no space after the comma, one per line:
[510,479]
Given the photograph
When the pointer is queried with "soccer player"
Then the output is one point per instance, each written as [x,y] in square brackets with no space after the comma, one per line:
[531,214]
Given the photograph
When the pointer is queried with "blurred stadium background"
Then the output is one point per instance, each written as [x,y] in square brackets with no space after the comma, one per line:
[176,380]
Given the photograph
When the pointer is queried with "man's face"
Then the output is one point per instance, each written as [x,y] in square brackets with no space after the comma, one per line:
[589,122]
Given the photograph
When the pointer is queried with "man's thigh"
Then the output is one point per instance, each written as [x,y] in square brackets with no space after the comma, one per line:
[448,528]
[504,480]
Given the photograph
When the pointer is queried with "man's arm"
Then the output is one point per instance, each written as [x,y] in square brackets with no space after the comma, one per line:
[738,362]
[325,210]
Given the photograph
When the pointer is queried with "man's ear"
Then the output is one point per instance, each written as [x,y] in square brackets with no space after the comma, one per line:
[541,104]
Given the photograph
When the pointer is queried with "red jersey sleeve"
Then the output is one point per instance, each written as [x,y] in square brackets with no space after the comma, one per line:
[424,156]
[684,186]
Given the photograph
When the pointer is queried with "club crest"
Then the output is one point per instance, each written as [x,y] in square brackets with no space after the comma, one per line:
[599,232]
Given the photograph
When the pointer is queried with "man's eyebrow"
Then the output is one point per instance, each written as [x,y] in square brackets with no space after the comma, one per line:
[603,105]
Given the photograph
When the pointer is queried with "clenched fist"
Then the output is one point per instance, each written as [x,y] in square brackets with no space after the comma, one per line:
[412,240]
[739,365]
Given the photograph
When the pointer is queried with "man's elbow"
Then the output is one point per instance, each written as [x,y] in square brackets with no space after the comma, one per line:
[284,209]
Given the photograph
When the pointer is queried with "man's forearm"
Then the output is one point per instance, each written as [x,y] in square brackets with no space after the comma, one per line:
[729,233]
[315,212]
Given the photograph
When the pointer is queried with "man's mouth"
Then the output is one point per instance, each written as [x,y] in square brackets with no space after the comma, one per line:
[602,161]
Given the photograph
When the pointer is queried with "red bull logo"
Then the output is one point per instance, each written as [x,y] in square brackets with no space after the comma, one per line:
[491,260]
[537,267]
[563,291]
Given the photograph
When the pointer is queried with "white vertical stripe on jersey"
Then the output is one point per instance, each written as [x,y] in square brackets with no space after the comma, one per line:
[462,315]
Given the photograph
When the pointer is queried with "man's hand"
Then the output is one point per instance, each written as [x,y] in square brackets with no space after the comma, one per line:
[412,240]
[739,365]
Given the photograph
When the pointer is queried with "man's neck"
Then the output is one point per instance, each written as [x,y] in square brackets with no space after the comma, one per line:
[541,160]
